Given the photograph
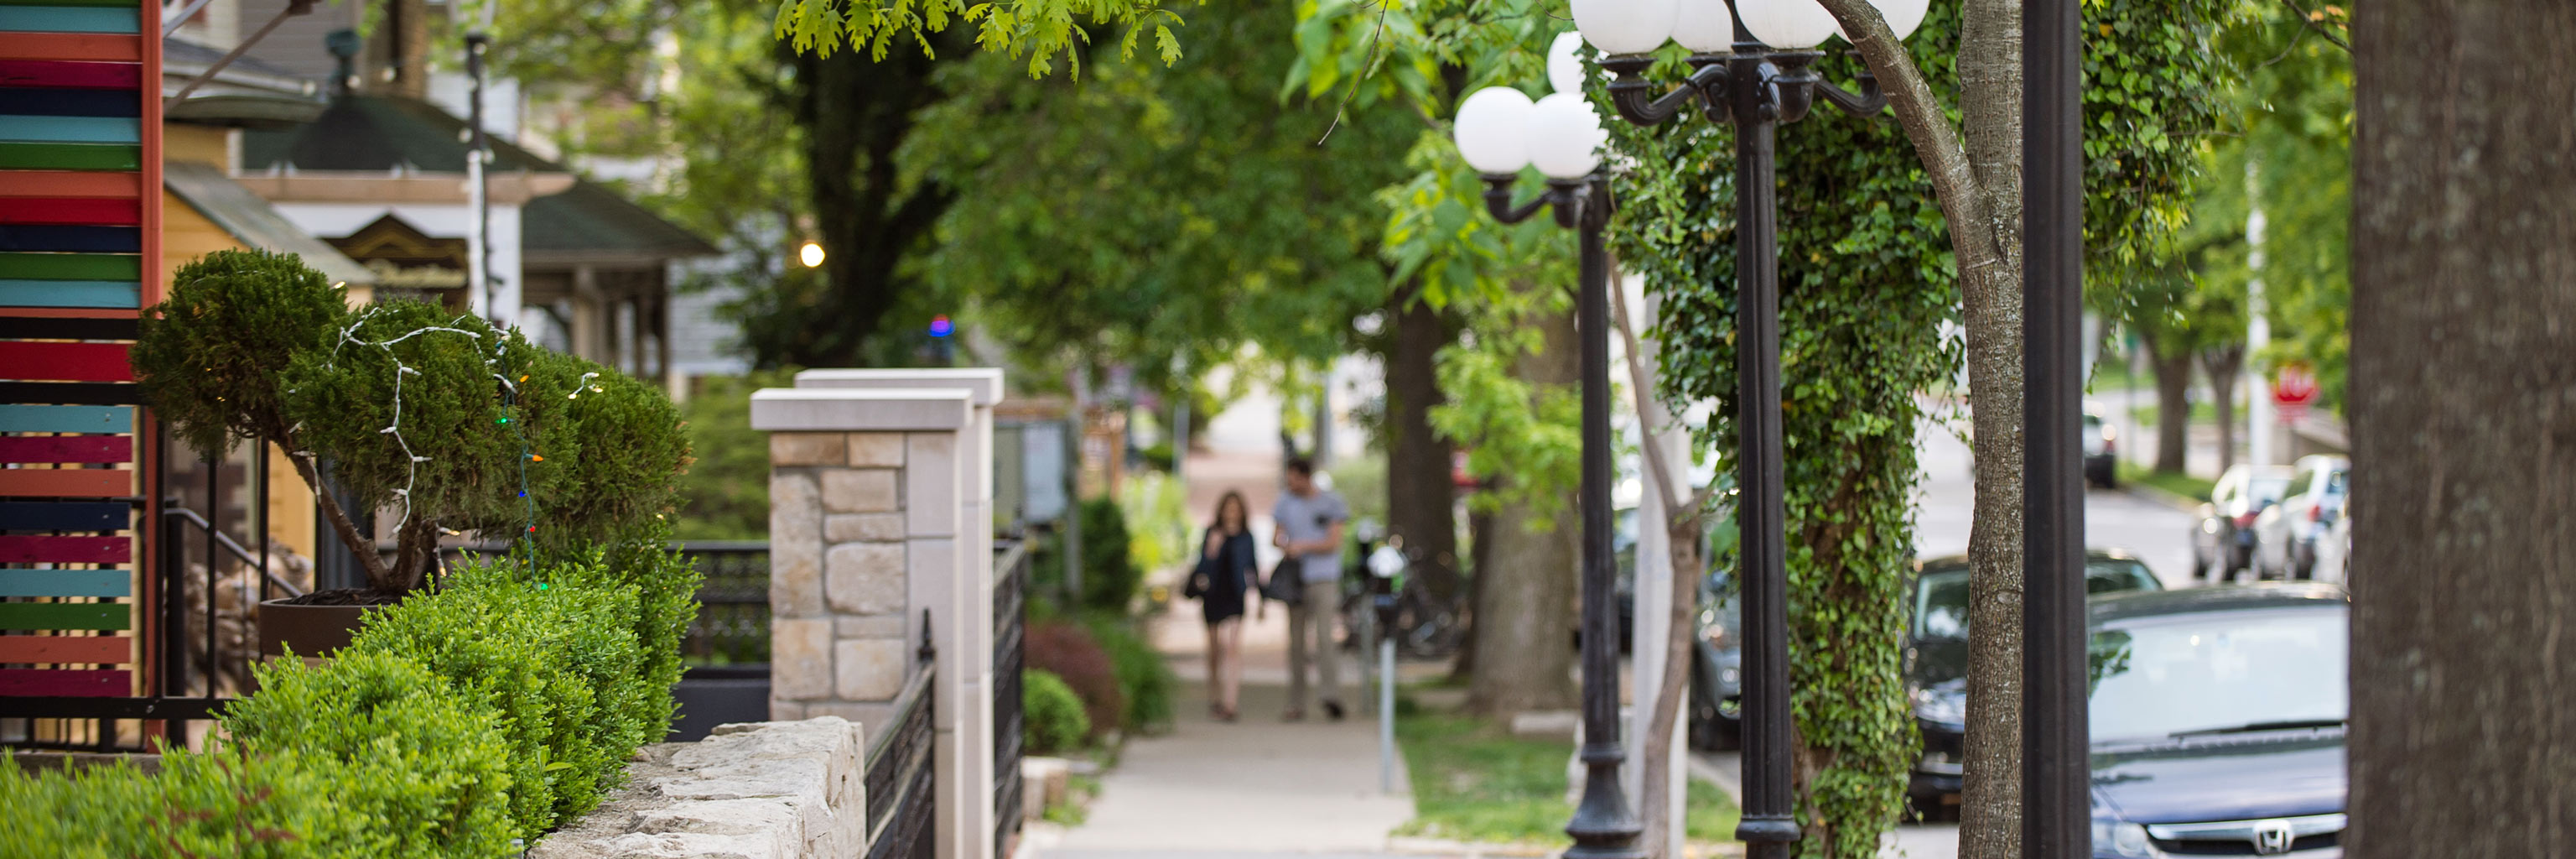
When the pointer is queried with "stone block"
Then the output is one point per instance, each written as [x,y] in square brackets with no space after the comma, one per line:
[782,711]
[869,490]
[795,544]
[851,527]
[873,626]
[869,669]
[865,578]
[769,790]
[876,449]
[933,484]
[800,658]
[807,448]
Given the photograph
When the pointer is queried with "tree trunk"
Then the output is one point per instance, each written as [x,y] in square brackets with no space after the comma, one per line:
[1421,500]
[2222,364]
[2464,430]
[1480,556]
[1526,592]
[2173,405]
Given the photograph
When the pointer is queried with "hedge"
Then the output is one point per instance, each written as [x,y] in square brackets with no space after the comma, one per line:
[1052,720]
[500,707]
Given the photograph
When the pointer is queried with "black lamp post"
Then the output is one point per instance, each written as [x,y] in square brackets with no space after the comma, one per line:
[1500,131]
[1741,78]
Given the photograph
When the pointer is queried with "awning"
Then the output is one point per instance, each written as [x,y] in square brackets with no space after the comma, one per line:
[256,224]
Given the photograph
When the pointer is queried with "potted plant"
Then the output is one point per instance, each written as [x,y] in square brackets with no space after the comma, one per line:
[442,422]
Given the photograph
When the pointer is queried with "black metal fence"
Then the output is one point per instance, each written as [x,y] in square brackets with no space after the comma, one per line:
[1010,620]
[902,784]
[732,626]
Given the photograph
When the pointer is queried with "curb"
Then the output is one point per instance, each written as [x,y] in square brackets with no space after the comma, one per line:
[2155,495]
[1409,846]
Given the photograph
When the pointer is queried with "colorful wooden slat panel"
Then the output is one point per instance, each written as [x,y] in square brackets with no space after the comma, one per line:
[13,328]
[68,19]
[66,183]
[50,549]
[76,683]
[66,615]
[65,583]
[66,483]
[46,101]
[71,393]
[67,649]
[69,156]
[71,266]
[66,448]
[71,129]
[86,419]
[70,210]
[81,47]
[70,238]
[64,515]
[124,4]
[69,293]
[66,362]
[70,75]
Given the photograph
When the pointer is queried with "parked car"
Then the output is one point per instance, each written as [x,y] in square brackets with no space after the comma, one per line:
[1717,668]
[2218,722]
[2222,535]
[2285,536]
[1936,662]
[2101,467]
[2334,549]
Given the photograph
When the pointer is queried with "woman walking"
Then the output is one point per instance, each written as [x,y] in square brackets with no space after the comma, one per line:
[1224,576]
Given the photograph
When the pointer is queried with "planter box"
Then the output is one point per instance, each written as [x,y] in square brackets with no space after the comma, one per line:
[313,630]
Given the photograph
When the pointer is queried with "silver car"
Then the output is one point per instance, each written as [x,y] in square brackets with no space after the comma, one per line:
[2222,535]
[2286,536]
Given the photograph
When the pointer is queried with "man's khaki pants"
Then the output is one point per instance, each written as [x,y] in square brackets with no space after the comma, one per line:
[1310,639]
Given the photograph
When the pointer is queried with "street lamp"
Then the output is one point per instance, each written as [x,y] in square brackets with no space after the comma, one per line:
[1755,74]
[1500,131]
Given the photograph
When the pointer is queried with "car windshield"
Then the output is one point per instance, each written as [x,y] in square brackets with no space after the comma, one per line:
[1941,603]
[2269,489]
[2217,671]
[2337,480]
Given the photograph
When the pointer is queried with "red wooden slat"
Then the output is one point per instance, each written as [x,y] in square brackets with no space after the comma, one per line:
[70,75]
[65,482]
[67,649]
[72,46]
[36,549]
[24,682]
[67,448]
[85,211]
[69,312]
[71,183]
[65,362]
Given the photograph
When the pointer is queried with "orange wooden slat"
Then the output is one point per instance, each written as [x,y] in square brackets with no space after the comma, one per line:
[114,48]
[72,183]
[67,482]
[67,649]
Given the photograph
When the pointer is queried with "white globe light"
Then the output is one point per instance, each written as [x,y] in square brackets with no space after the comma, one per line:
[1902,15]
[1565,136]
[1704,26]
[1564,69]
[1787,24]
[1492,130]
[1624,26]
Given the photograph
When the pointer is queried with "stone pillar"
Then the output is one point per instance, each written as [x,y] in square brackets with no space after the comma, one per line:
[880,494]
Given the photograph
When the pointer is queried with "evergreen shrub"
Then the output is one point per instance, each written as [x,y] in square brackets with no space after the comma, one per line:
[1051,716]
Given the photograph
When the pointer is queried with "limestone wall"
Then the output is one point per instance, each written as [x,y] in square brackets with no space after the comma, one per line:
[763,790]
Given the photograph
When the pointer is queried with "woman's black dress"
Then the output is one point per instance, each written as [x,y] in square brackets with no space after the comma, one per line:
[1234,562]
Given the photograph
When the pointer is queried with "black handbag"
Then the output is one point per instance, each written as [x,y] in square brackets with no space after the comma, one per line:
[1286,584]
[1197,586]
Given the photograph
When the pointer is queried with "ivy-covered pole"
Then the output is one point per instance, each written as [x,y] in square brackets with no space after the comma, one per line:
[1500,131]
[1752,72]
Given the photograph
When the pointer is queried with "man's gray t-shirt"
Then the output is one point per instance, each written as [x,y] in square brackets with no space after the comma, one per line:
[1306,520]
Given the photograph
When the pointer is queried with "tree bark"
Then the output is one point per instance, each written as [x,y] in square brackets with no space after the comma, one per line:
[1421,499]
[2464,430]
[1526,593]
[2222,363]
[1975,167]
[2173,405]
[1480,555]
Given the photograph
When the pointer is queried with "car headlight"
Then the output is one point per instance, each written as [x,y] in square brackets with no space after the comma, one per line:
[2114,838]
[1935,705]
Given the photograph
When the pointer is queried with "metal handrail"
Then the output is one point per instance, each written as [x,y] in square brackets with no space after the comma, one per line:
[226,541]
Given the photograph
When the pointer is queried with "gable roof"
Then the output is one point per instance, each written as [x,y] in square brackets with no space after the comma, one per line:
[254,222]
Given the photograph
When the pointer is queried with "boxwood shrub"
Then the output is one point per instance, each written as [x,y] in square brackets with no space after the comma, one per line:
[1051,715]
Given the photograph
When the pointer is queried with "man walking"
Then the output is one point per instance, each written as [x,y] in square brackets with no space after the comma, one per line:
[1309,529]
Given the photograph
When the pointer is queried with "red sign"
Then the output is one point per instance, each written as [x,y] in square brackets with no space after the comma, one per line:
[2295,385]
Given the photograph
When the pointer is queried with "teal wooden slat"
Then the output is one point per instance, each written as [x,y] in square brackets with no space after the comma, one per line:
[68,19]
[70,293]
[66,583]
[91,419]
[71,129]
